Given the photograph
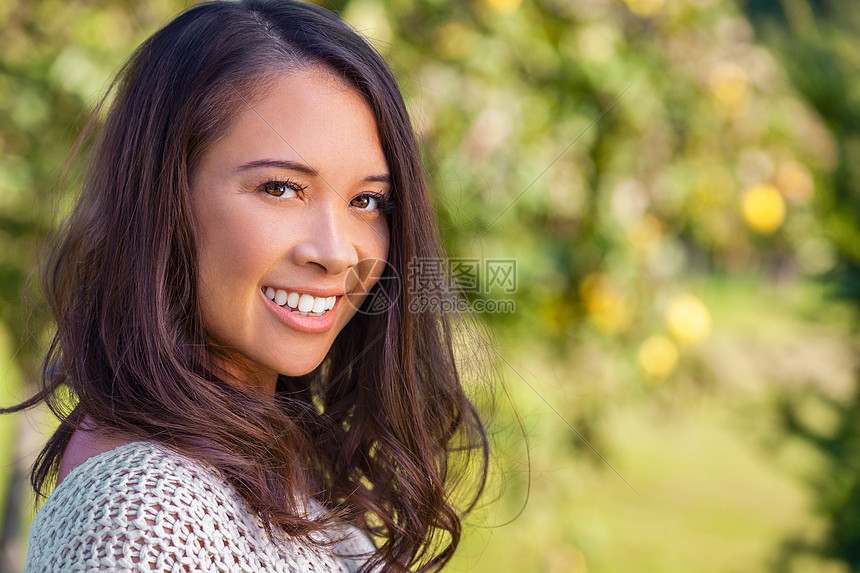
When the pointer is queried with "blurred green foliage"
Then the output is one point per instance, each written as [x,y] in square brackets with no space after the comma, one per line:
[611,148]
[817,41]
[621,151]
[57,60]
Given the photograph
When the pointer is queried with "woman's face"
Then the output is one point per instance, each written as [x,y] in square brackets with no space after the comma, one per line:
[286,205]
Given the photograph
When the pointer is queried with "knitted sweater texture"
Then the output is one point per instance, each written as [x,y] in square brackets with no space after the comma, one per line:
[144,508]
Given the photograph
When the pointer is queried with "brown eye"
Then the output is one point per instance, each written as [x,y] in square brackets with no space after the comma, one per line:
[369,202]
[366,202]
[281,188]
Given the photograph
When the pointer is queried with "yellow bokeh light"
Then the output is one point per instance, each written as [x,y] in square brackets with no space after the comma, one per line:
[795,181]
[607,309]
[658,356]
[763,208]
[503,6]
[688,319]
[731,87]
[644,8]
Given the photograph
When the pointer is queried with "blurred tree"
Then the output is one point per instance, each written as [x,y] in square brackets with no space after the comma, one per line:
[612,148]
[56,62]
[817,41]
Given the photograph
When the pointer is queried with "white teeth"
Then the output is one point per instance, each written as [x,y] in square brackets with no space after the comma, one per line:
[319,305]
[306,303]
[302,304]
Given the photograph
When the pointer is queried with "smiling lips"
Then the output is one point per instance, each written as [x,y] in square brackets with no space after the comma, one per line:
[301,304]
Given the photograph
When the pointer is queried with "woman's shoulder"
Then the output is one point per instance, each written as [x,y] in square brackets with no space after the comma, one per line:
[141,492]
[142,475]
[129,493]
[135,472]
[86,442]
[139,503]
[100,472]
[142,506]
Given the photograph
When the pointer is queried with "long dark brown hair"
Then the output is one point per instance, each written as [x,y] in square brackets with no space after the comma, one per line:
[382,432]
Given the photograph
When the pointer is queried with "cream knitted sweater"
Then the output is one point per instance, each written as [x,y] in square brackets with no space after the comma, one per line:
[144,508]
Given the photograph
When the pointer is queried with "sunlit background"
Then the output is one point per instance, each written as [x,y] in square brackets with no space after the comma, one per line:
[676,183]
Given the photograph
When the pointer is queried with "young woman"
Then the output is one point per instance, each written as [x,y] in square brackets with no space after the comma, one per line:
[226,402]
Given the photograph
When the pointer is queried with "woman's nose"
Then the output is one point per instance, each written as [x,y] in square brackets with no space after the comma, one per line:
[327,242]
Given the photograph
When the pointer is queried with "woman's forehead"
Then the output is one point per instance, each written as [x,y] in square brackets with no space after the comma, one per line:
[308,116]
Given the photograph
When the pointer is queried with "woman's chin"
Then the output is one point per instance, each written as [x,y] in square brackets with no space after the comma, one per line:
[301,367]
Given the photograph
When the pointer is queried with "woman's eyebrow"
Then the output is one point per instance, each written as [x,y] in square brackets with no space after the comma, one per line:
[378,178]
[302,168]
[279,163]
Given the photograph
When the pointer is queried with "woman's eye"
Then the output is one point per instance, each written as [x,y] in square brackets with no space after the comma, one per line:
[281,188]
[366,202]
[374,202]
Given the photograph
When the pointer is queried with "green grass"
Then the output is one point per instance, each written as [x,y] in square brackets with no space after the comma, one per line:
[712,492]
[706,500]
